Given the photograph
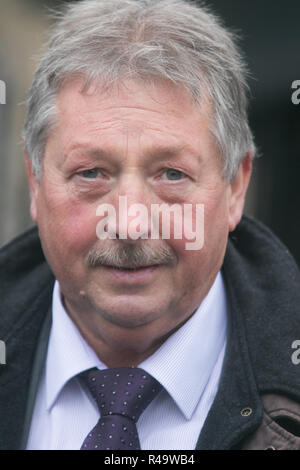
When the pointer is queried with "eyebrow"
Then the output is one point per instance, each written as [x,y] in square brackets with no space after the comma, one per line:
[92,151]
[166,152]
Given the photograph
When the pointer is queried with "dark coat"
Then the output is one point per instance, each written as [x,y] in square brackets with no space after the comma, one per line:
[257,405]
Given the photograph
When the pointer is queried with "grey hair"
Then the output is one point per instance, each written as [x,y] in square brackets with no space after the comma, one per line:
[113,40]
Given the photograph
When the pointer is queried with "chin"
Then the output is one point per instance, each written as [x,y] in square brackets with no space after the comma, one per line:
[131,315]
[132,320]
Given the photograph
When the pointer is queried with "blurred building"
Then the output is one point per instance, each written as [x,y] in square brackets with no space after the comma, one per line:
[23,27]
[271,41]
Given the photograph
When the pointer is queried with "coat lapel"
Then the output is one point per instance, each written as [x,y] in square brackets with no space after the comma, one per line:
[26,285]
[37,369]
[22,345]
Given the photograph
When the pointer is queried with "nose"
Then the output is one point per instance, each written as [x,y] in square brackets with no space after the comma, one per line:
[132,202]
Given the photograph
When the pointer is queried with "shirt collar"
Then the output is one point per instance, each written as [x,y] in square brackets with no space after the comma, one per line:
[183,364]
[68,352]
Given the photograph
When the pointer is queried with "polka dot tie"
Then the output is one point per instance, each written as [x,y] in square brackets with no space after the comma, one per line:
[121,395]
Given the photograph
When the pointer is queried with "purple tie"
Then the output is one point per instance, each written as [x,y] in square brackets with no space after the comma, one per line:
[121,395]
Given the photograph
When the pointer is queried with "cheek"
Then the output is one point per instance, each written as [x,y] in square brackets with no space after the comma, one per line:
[210,230]
[67,224]
[79,226]
[216,221]
[202,225]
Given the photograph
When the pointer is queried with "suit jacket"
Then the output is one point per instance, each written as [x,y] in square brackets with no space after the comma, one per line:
[257,403]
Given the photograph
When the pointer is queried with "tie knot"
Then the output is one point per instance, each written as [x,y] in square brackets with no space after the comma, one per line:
[125,391]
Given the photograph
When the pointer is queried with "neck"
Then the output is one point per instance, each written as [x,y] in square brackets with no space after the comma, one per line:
[117,346]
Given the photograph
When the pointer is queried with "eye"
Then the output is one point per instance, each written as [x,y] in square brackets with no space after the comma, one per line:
[90,174]
[173,175]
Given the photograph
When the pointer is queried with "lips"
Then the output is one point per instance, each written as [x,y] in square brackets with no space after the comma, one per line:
[130,274]
[129,268]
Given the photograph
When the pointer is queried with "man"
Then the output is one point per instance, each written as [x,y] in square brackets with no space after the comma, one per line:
[137,106]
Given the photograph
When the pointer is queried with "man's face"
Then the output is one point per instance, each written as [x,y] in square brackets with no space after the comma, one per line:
[152,145]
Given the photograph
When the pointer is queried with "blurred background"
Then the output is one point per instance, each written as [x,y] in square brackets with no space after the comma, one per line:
[270,32]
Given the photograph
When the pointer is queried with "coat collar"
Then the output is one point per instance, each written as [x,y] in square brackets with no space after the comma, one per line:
[262,283]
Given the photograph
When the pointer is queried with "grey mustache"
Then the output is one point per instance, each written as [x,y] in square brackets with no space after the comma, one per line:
[121,255]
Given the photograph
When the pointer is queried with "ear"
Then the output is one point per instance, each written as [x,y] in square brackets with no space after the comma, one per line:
[238,189]
[33,187]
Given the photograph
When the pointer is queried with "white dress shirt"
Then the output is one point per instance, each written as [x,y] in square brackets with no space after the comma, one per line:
[188,365]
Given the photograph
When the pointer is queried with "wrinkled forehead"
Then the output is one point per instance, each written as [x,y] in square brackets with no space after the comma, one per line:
[175,97]
[164,110]
[142,122]
[132,107]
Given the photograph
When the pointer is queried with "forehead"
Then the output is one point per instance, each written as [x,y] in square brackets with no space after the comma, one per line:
[161,113]
[160,96]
